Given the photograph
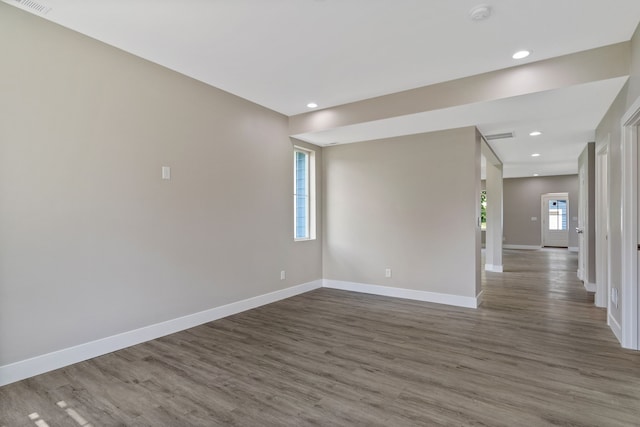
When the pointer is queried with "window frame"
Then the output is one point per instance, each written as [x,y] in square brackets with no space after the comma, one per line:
[310,208]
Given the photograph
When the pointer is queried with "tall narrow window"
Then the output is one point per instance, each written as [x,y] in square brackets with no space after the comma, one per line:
[483,209]
[303,200]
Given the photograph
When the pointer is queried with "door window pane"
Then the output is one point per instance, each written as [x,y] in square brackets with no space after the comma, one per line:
[557,215]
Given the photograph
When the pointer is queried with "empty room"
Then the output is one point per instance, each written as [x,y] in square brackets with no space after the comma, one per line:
[319,212]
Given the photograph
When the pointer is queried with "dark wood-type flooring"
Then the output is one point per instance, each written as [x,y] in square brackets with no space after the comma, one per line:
[537,352]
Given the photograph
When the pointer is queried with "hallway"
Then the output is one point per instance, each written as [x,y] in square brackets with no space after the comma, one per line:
[537,352]
[548,278]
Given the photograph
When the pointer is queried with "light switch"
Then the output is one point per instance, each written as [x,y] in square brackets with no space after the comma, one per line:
[534,218]
[166,172]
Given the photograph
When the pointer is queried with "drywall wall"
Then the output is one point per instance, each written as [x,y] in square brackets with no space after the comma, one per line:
[92,241]
[633,91]
[609,134]
[522,202]
[410,204]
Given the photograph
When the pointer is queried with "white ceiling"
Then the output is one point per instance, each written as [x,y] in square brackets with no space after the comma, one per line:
[283,54]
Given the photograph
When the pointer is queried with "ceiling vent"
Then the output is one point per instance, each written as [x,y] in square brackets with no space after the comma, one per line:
[505,135]
[35,6]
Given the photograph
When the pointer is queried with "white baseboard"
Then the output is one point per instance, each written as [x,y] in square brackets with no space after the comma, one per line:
[615,327]
[47,362]
[573,249]
[479,298]
[600,299]
[590,287]
[449,299]
[525,247]
[494,268]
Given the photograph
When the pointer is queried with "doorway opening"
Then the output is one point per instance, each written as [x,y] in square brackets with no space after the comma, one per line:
[555,220]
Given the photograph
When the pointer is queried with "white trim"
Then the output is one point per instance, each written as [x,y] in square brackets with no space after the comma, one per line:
[573,249]
[479,298]
[493,268]
[615,327]
[523,247]
[413,294]
[590,287]
[47,362]
[603,213]
[629,232]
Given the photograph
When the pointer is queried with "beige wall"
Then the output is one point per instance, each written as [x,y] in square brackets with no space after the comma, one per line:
[92,241]
[633,91]
[407,203]
[522,201]
[609,131]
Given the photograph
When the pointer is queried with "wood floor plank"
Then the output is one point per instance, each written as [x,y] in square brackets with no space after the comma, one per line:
[537,352]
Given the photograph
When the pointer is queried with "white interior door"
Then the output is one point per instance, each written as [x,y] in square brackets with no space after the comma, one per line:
[582,225]
[602,228]
[555,220]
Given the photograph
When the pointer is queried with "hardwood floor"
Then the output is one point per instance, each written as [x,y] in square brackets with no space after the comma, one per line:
[537,352]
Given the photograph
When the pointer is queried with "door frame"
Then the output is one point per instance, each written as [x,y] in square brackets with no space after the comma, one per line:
[630,334]
[544,211]
[603,263]
[583,226]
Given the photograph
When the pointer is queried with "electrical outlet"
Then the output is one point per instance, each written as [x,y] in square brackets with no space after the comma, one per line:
[283,275]
[387,273]
[166,172]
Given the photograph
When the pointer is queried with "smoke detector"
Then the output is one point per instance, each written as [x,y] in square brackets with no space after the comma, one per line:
[480,12]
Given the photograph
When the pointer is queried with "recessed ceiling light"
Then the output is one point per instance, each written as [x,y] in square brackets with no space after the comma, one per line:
[535,133]
[312,105]
[521,54]
[536,174]
[535,155]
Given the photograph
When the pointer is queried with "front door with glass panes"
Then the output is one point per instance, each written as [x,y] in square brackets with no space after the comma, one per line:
[555,220]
